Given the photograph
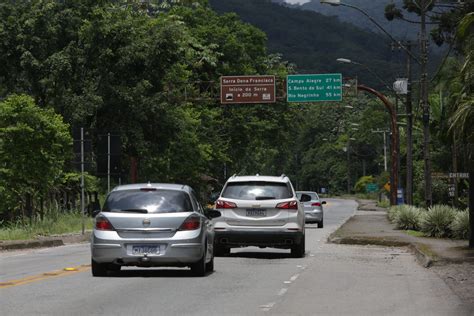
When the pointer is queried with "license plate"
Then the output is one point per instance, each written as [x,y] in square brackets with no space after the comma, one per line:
[255,212]
[145,249]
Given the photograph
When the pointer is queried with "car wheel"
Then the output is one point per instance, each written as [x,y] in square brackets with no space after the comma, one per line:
[98,269]
[220,251]
[210,265]
[321,224]
[199,268]
[299,250]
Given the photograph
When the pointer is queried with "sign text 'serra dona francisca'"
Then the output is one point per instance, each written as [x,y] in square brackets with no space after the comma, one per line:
[247,89]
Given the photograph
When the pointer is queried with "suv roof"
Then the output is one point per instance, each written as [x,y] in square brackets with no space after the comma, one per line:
[282,178]
[168,186]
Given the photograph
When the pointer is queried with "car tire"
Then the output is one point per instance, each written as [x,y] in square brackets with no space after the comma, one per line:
[98,269]
[220,251]
[210,265]
[321,224]
[199,268]
[299,250]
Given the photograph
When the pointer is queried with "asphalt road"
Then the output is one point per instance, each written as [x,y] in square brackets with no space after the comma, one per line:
[330,280]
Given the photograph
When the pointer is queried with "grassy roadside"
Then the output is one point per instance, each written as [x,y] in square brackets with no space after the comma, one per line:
[54,224]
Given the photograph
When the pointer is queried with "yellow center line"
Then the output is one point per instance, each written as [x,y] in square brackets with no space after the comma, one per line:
[45,276]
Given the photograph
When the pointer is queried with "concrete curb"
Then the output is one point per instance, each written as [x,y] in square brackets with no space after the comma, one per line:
[26,244]
[422,257]
[420,250]
[45,242]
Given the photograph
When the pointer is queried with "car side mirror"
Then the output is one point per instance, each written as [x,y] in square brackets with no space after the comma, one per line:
[305,198]
[210,213]
[323,202]
[213,197]
[95,212]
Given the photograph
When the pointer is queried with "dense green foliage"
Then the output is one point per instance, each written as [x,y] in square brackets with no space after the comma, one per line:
[34,144]
[150,72]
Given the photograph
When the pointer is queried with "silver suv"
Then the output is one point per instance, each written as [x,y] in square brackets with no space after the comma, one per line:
[260,211]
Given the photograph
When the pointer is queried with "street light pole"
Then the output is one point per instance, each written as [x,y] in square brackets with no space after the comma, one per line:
[393,139]
[409,112]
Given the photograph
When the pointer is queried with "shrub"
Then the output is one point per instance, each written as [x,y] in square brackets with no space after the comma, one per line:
[393,212]
[409,217]
[460,225]
[383,203]
[437,220]
[361,184]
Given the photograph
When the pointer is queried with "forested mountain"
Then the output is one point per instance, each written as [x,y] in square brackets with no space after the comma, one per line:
[400,29]
[314,41]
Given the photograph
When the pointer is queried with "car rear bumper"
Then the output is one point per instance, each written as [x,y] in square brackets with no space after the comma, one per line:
[257,238]
[172,253]
[313,217]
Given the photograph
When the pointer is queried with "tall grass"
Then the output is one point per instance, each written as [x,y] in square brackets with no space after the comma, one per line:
[437,220]
[53,224]
[460,225]
[409,218]
[393,212]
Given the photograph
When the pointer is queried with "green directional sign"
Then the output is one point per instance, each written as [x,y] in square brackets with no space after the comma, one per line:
[371,187]
[314,88]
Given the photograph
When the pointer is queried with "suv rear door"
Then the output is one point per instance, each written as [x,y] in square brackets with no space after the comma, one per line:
[256,203]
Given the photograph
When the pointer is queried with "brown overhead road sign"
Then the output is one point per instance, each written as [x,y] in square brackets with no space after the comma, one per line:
[247,89]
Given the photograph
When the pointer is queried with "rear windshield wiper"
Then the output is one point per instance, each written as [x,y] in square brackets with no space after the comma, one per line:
[132,210]
[264,198]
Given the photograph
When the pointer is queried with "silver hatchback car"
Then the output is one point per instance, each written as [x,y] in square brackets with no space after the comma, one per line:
[313,209]
[153,225]
[260,211]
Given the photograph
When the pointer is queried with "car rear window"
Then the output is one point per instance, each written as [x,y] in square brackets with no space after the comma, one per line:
[313,195]
[257,190]
[156,201]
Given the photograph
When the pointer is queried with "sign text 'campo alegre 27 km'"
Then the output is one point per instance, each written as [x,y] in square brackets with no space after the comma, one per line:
[247,89]
[314,88]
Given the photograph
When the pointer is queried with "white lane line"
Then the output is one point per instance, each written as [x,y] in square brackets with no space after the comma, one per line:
[293,278]
[287,282]
[267,307]
[282,291]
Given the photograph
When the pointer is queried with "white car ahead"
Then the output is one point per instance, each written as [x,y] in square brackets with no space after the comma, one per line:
[261,211]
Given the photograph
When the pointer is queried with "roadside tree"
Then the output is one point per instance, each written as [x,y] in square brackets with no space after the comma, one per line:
[34,145]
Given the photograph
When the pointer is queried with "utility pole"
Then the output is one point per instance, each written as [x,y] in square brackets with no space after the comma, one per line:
[409,112]
[384,147]
[108,163]
[348,168]
[425,106]
[82,182]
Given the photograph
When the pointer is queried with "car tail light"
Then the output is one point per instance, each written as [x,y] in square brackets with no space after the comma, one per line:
[316,204]
[102,223]
[225,204]
[291,205]
[191,223]
[147,189]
